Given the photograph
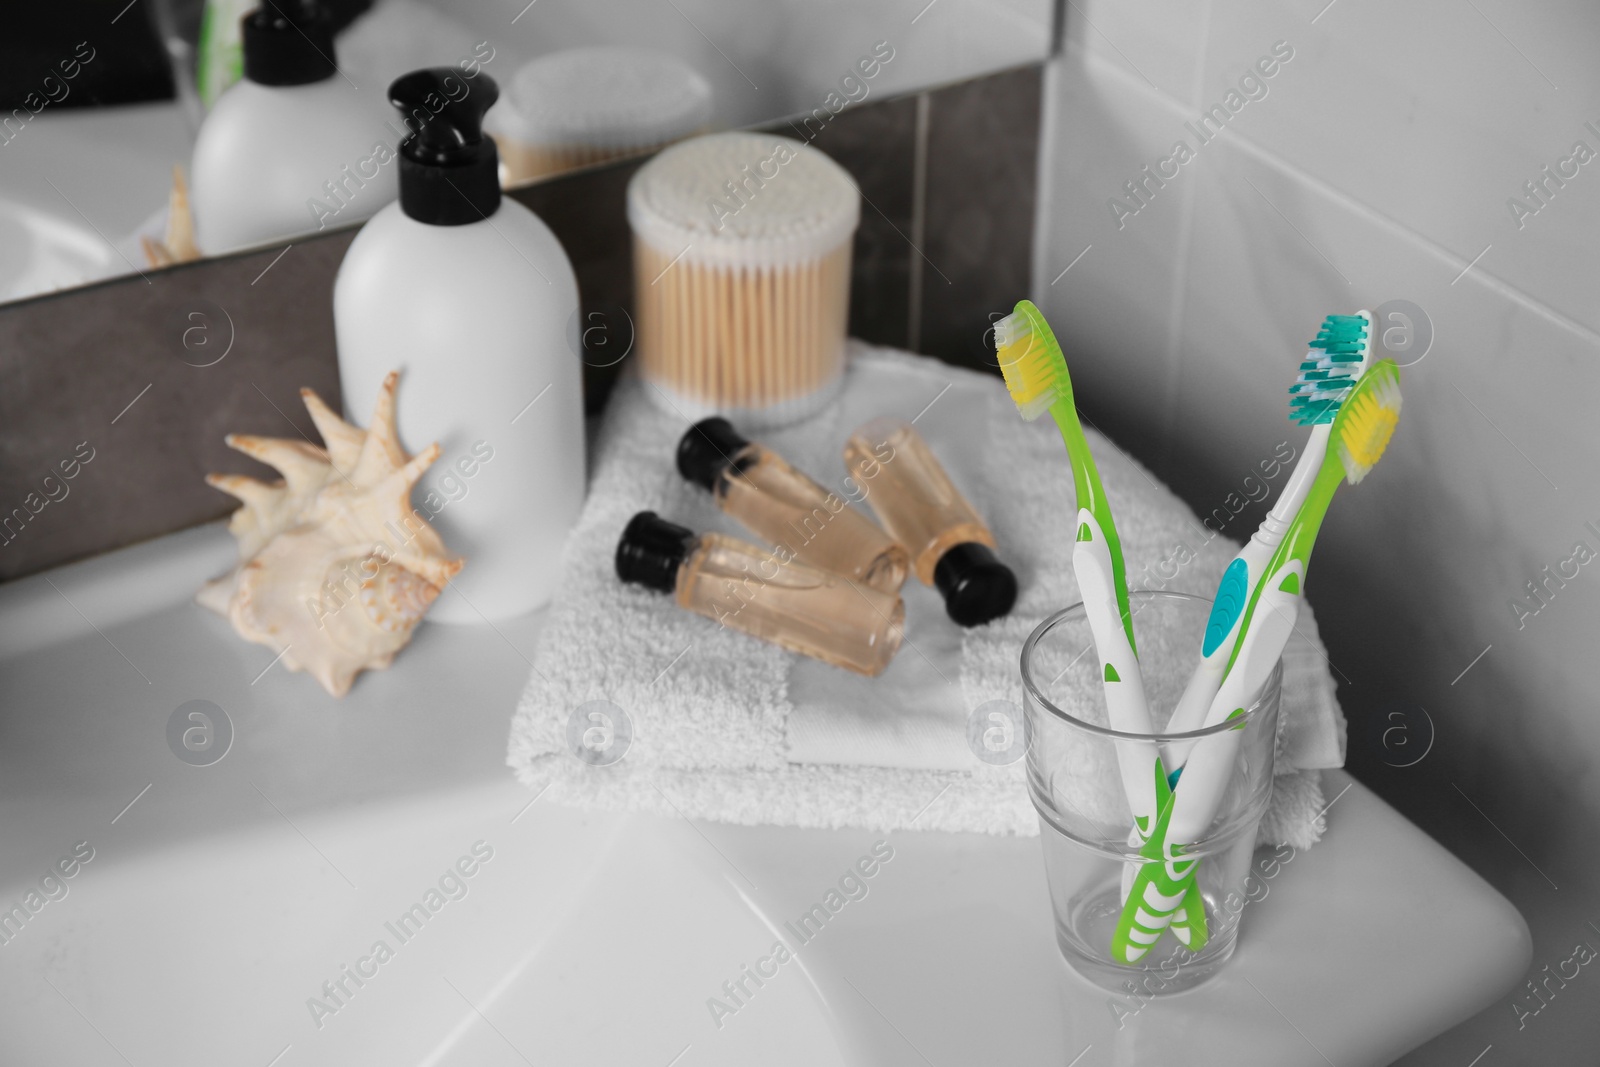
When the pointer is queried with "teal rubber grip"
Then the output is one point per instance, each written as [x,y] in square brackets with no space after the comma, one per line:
[1225,610]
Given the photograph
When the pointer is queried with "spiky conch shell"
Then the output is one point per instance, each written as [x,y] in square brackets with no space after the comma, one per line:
[178,245]
[335,566]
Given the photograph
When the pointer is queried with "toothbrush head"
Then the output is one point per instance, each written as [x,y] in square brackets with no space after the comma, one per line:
[1031,360]
[1367,419]
[1334,363]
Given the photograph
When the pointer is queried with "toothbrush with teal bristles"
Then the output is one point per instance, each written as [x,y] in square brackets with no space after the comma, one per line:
[1335,361]
[1036,375]
[1360,433]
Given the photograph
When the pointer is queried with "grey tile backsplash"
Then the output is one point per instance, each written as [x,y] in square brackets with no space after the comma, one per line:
[116,397]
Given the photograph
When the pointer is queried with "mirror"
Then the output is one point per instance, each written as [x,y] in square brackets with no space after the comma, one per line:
[106,114]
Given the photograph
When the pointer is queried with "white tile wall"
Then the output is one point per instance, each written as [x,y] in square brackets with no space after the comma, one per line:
[1376,166]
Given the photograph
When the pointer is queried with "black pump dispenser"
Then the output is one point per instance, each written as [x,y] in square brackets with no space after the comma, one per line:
[449,171]
[287,42]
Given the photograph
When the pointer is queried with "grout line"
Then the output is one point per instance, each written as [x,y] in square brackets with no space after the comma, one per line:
[919,221]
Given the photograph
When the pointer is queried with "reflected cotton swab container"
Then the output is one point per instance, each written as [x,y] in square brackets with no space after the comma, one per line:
[583,106]
[742,246]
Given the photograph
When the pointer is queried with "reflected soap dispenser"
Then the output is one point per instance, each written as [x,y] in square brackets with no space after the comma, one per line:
[293,147]
[471,297]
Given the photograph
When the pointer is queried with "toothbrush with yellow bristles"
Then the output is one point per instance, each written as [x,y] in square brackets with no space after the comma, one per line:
[1036,375]
[1360,433]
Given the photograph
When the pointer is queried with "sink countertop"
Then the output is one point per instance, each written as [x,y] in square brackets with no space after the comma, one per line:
[221,898]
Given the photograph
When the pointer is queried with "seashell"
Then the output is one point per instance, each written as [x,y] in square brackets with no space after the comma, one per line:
[178,245]
[335,566]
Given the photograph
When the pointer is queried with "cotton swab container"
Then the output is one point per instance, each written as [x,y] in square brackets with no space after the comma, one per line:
[742,246]
[584,106]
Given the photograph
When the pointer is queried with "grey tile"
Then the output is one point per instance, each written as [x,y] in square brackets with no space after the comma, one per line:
[983,148]
[115,369]
[876,143]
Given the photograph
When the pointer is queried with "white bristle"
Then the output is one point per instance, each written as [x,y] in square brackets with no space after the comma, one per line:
[1010,329]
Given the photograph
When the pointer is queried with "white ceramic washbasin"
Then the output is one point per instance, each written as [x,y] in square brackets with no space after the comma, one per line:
[221,898]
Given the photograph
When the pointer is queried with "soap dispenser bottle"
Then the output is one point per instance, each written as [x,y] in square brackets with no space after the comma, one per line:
[471,297]
[294,146]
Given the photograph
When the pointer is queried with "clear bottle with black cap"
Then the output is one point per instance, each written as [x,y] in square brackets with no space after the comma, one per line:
[787,508]
[951,546]
[290,148]
[472,298]
[750,589]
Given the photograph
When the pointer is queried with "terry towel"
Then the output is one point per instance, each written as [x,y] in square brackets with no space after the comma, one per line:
[710,723]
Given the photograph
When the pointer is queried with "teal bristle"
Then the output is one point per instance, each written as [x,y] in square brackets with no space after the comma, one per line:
[1325,379]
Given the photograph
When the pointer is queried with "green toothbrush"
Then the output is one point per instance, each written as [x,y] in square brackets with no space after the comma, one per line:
[1036,375]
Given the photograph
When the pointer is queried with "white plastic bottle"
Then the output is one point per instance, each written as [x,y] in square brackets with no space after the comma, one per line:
[472,298]
[294,147]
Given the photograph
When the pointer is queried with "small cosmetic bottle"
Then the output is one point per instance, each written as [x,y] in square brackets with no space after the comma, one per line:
[787,509]
[754,590]
[951,548]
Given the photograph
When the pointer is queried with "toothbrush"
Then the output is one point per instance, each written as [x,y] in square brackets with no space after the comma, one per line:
[1334,362]
[1160,894]
[1361,432]
[1036,375]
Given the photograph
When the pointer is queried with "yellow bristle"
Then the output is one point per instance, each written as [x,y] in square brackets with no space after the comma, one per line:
[1027,364]
[1368,422]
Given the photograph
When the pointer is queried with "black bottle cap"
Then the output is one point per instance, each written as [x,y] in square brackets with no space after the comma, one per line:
[651,551]
[975,585]
[707,449]
[449,171]
[287,42]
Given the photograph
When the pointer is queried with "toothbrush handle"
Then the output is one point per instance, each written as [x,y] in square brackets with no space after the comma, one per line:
[1270,533]
[1119,669]
[1165,883]
[1210,765]
[1234,592]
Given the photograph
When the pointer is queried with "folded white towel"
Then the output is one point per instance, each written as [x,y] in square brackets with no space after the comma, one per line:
[728,728]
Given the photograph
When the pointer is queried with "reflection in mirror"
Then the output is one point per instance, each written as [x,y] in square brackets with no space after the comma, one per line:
[135,139]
